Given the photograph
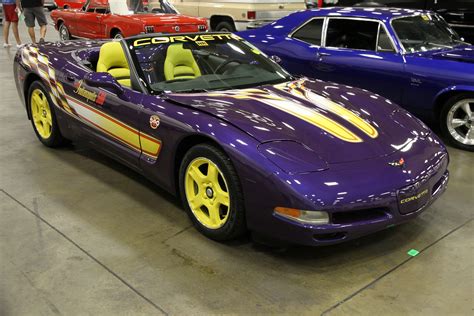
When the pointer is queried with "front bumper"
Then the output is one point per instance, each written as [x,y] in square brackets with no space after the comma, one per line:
[357,223]
[360,197]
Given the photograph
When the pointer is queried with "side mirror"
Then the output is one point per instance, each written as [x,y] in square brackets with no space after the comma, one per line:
[103,80]
[275,58]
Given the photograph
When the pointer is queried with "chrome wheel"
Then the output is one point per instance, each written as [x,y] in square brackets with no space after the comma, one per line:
[118,36]
[460,122]
[63,33]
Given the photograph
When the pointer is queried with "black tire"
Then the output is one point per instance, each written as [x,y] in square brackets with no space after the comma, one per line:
[225,26]
[117,35]
[64,34]
[66,7]
[235,225]
[451,134]
[56,139]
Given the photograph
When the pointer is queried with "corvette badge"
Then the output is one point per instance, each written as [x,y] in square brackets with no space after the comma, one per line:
[154,121]
[398,163]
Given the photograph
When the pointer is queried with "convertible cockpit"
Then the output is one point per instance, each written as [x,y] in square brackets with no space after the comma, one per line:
[183,63]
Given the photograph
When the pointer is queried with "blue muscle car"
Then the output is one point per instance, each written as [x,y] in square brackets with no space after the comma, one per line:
[412,57]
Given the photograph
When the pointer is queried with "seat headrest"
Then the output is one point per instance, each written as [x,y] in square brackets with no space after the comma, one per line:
[111,56]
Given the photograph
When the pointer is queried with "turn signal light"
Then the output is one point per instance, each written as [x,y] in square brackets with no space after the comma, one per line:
[302,216]
[251,15]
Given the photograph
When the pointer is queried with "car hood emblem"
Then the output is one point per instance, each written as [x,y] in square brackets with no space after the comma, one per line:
[398,163]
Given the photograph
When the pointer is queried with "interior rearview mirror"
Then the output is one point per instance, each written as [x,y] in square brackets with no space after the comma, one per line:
[103,80]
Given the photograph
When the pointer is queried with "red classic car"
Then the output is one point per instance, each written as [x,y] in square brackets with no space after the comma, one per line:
[122,18]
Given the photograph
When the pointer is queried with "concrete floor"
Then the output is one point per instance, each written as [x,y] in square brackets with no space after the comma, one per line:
[81,234]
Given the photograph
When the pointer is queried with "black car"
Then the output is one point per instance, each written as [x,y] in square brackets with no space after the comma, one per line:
[458,13]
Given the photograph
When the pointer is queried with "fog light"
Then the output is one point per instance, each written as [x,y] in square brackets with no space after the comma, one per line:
[309,217]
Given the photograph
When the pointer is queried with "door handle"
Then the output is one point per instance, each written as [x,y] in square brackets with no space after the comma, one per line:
[322,54]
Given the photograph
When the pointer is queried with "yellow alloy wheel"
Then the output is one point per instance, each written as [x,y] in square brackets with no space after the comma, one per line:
[207,193]
[41,114]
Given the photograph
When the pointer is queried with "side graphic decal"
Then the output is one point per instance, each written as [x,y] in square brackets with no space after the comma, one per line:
[84,112]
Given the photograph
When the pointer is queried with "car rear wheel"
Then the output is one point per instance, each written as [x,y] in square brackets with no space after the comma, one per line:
[225,26]
[64,34]
[211,193]
[118,35]
[43,117]
[457,121]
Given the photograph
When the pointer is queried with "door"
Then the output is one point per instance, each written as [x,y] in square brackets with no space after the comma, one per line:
[360,53]
[300,48]
[106,118]
[87,23]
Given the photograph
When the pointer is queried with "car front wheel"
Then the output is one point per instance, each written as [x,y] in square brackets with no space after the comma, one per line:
[211,193]
[457,121]
[43,117]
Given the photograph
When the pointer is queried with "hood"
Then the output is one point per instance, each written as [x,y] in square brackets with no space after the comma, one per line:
[165,19]
[339,123]
[463,54]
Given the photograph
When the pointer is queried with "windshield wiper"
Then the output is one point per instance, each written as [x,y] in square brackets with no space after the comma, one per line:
[193,90]
[230,78]
[437,44]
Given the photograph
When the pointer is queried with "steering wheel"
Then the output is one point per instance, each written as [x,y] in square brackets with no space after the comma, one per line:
[225,63]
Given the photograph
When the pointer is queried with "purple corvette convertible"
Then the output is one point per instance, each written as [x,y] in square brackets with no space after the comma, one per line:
[247,147]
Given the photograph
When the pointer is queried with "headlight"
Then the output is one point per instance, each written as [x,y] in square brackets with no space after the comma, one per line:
[292,157]
[302,216]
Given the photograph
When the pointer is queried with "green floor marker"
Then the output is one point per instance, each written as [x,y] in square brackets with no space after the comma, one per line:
[413,252]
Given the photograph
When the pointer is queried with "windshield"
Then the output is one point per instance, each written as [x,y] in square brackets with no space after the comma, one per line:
[425,32]
[202,62]
[124,7]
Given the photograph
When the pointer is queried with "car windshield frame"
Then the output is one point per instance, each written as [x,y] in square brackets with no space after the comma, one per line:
[435,46]
[207,81]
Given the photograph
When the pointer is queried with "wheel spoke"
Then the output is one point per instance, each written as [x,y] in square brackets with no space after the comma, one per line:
[212,173]
[195,202]
[196,175]
[37,101]
[36,117]
[458,122]
[214,213]
[467,109]
[222,197]
[46,126]
[470,133]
